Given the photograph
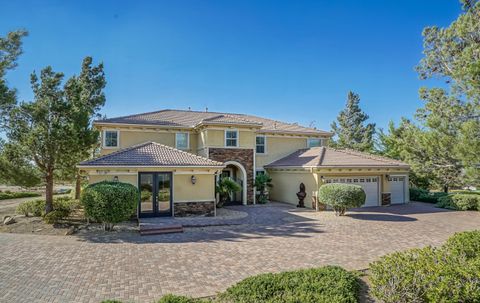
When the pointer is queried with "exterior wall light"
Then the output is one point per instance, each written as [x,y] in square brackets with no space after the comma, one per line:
[193,179]
[115,179]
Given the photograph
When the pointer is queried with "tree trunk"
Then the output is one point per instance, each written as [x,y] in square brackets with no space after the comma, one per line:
[78,186]
[49,193]
[445,188]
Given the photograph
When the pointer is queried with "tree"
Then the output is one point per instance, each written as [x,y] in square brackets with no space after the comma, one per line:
[55,129]
[351,131]
[10,50]
[15,169]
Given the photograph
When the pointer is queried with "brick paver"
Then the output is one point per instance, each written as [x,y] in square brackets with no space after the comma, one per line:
[203,261]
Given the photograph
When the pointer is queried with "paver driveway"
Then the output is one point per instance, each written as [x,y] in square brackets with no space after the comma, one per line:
[203,261]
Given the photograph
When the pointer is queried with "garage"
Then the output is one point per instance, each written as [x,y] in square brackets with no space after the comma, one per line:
[384,180]
[369,184]
[397,188]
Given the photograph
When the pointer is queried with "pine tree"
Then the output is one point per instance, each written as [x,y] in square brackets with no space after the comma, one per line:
[351,131]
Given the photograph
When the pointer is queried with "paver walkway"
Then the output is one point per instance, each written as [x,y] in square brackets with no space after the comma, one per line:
[203,261]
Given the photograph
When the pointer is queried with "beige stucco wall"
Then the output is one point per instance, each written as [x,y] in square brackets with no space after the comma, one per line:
[183,189]
[287,184]
[279,147]
[133,137]
[132,179]
[202,190]
[216,138]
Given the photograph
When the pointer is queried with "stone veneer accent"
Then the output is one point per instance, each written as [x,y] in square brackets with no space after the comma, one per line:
[187,209]
[241,155]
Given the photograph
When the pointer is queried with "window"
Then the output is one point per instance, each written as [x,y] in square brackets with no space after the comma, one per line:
[260,143]
[110,138]
[231,138]
[314,142]
[181,141]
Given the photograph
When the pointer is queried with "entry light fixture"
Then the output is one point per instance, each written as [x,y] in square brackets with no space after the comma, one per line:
[115,179]
[193,179]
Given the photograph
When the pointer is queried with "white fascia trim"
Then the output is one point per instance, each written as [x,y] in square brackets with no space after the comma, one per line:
[140,167]
[109,124]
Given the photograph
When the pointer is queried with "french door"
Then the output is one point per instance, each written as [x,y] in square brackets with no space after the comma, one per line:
[155,194]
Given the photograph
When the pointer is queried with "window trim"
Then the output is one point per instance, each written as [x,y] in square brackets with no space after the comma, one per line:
[104,138]
[264,145]
[315,138]
[225,137]
[188,140]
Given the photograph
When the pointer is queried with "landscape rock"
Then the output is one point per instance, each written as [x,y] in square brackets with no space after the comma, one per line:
[7,220]
[70,231]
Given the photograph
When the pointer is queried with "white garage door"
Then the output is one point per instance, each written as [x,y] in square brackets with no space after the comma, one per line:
[369,185]
[397,188]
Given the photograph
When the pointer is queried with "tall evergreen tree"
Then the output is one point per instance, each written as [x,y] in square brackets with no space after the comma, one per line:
[350,129]
[55,129]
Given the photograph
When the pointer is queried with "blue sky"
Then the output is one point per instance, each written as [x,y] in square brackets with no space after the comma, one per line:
[288,60]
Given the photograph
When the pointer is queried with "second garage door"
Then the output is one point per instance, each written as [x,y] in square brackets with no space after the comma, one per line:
[369,185]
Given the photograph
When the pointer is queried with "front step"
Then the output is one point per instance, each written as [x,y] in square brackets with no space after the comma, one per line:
[159,228]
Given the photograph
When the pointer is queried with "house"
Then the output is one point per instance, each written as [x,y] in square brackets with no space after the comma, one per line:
[175,157]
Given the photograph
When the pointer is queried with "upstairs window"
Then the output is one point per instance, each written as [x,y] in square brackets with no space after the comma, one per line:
[231,138]
[314,142]
[260,144]
[181,141]
[110,138]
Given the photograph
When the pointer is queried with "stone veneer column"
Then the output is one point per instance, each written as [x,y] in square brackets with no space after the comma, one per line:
[241,155]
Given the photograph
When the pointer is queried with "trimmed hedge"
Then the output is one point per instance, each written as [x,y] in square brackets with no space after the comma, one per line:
[110,202]
[462,201]
[447,274]
[423,195]
[14,195]
[180,299]
[341,196]
[325,284]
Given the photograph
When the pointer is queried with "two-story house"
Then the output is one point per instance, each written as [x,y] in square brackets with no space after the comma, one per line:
[176,156]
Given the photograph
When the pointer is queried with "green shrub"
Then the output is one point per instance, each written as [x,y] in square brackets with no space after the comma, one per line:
[55,216]
[465,243]
[341,196]
[470,201]
[423,195]
[179,299]
[326,284]
[430,275]
[14,195]
[36,208]
[110,202]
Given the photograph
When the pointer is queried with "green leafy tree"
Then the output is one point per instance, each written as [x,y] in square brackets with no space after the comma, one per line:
[350,129]
[15,169]
[55,128]
[10,50]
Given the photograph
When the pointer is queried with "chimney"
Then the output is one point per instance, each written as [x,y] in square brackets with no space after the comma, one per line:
[206,109]
[189,108]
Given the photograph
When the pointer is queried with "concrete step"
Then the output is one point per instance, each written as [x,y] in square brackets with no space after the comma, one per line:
[159,228]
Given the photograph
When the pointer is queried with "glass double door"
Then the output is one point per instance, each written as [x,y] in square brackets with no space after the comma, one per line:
[155,194]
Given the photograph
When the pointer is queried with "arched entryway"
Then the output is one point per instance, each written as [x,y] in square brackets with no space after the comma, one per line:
[237,172]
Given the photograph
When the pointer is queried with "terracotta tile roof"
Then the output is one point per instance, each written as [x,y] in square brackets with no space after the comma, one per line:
[151,154]
[190,119]
[329,157]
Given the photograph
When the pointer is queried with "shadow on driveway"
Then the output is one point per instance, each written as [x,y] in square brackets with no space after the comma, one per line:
[263,221]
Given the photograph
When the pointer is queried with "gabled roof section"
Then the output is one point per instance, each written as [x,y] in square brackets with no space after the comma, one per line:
[318,157]
[191,119]
[151,154]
